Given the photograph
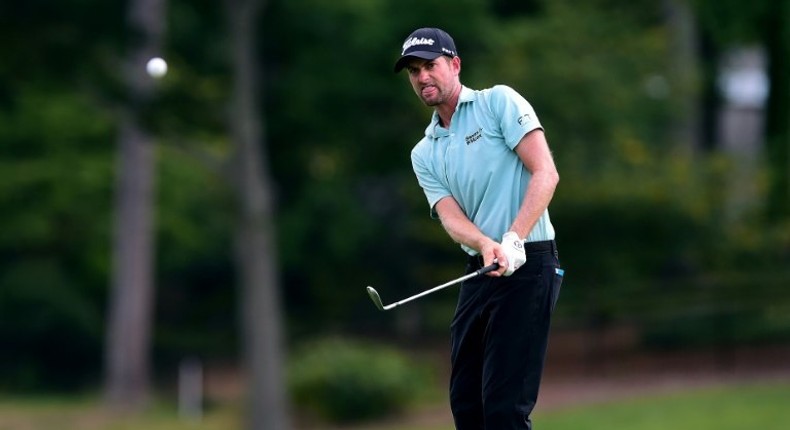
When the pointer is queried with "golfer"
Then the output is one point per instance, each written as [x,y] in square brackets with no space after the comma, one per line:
[487,172]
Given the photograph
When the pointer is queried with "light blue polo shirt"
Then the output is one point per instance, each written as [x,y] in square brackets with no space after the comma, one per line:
[474,161]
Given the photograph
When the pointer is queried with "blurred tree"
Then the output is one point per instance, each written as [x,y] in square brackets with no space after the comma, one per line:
[766,22]
[54,192]
[256,253]
[777,128]
[339,127]
[128,336]
[684,74]
[505,8]
[596,72]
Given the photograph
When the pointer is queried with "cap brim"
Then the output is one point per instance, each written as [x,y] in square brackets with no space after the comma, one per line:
[425,55]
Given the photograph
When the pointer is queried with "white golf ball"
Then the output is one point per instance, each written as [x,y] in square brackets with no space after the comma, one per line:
[156,67]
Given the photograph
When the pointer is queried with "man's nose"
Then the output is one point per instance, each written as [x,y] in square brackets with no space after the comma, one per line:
[422,75]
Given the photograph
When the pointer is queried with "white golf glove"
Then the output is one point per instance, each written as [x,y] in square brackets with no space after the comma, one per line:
[514,250]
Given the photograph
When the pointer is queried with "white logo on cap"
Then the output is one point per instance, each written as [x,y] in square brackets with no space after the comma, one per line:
[416,41]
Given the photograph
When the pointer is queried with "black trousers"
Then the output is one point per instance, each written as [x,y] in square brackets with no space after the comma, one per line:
[498,337]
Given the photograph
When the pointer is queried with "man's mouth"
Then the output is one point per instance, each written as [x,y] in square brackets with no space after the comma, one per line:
[429,91]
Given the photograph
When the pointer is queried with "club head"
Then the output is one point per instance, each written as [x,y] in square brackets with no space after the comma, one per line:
[376,299]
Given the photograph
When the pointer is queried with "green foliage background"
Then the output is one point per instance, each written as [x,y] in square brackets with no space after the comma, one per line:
[641,219]
[341,381]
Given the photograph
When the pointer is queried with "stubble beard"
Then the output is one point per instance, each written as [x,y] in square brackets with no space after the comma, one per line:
[438,99]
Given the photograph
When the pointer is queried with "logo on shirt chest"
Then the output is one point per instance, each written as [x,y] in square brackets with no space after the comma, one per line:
[474,137]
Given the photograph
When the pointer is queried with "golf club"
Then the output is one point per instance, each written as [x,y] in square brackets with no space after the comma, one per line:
[377,299]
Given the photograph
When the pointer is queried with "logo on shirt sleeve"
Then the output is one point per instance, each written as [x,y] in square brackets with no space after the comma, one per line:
[524,119]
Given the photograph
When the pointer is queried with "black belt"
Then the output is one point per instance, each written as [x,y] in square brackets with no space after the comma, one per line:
[542,247]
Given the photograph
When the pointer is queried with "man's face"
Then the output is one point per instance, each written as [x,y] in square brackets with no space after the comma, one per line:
[435,80]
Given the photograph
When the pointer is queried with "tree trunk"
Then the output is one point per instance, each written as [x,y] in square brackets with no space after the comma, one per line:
[685,74]
[128,335]
[263,353]
[777,126]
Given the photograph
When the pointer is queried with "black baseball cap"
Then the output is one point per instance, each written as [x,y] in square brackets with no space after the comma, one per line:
[426,43]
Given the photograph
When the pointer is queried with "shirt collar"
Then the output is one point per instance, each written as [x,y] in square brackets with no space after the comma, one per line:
[434,130]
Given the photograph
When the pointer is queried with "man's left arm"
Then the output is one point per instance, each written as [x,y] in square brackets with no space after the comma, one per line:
[533,150]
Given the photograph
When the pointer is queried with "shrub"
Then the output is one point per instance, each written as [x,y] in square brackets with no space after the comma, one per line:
[345,381]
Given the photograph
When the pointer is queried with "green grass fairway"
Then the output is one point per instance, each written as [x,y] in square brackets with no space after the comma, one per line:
[764,407]
[734,407]
[78,413]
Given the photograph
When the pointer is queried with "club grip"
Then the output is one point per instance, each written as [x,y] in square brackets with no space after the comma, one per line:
[489,268]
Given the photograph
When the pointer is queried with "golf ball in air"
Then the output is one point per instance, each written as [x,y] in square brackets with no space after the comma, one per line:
[156,67]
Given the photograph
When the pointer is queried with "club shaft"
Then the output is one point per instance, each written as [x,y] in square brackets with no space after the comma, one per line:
[445,285]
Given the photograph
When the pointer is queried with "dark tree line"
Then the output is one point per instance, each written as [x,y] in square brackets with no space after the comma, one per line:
[272,180]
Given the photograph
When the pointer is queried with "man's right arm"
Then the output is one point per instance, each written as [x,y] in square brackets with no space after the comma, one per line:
[463,231]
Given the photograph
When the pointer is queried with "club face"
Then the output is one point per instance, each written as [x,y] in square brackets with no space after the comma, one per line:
[376,299]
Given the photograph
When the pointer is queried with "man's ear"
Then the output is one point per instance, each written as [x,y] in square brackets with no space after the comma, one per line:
[456,63]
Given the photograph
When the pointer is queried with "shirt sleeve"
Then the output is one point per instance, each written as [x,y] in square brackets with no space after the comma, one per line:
[515,115]
[433,188]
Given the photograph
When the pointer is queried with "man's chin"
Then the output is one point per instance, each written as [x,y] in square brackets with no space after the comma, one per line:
[431,102]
